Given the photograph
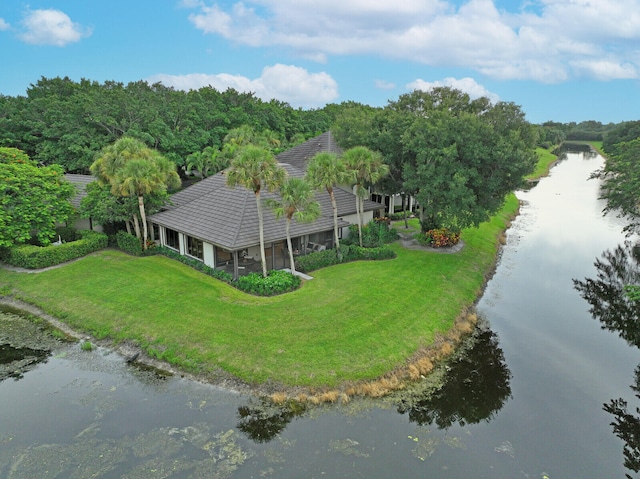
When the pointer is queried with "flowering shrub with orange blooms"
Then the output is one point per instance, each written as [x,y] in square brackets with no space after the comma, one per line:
[442,237]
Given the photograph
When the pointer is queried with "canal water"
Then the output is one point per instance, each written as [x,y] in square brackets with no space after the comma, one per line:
[523,400]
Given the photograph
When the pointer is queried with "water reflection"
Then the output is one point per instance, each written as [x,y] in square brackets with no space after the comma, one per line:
[470,388]
[626,425]
[587,151]
[614,301]
[610,294]
[24,343]
[261,420]
[15,361]
[474,387]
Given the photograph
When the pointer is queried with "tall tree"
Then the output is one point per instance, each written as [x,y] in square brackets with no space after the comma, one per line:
[621,183]
[366,169]
[207,162]
[326,170]
[254,168]
[462,156]
[33,199]
[297,202]
[133,169]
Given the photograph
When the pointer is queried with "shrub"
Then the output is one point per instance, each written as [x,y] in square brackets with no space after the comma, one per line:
[356,253]
[276,282]
[400,215]
[194,263]
[129,243]
[318,260]
[374,234]
[442,237]
[34,257]
[321,259]
[66,234]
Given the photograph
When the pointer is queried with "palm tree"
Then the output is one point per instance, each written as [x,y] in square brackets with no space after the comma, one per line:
[366,168]
[206,162]
[296,202]
[254,168]
[133,169]
[326,170]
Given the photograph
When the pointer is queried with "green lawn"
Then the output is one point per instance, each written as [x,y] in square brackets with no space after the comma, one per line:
[598,146]
[545,160]
[352,321]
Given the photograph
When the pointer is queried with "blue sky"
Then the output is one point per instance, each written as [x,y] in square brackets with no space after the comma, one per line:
[561,60]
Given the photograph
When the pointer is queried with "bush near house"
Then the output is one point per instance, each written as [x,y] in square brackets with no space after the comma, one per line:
[194,263]
[374,234]
[322,259]
[129,243]
[276,282]
[34,257]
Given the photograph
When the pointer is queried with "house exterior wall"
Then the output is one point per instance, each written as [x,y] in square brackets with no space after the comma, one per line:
[86,224]
[353,219]
[209,256]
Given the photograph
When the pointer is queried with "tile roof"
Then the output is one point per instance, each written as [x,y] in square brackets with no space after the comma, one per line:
[228,217]
[300,155]
[80,182]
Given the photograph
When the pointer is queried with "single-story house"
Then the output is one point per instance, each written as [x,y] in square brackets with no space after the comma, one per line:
[218,225]
[81,182]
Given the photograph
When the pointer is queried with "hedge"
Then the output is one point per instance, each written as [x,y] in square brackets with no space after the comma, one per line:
[277,282]
[322,259]
[36,257]
[129,243]
[194,263]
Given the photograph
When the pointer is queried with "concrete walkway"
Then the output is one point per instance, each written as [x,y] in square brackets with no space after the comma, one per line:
[298,273]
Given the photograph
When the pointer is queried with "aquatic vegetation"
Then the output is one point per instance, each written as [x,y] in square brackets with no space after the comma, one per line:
[348,447]
[160,453]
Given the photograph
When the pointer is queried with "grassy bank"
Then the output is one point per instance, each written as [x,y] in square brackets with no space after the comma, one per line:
[597,145]
[351,322]
[545,161]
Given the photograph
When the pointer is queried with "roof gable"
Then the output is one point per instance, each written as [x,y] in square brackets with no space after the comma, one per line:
[228,217]
[80,182]
[300,155]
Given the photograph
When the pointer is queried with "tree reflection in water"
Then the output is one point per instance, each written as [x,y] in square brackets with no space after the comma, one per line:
[474,388]
[611,294]
[261,420]
[614,301]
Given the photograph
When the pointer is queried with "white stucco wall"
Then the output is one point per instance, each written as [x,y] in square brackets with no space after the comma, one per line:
[209,257]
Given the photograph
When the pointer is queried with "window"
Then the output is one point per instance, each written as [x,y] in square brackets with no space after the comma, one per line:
[194,248]
[172,239]
[223,257]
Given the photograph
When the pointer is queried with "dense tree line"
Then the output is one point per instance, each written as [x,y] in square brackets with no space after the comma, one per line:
[457,156]
[64,122]
[552,133]
[621,174]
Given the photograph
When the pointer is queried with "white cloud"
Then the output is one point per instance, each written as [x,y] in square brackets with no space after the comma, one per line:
[51,27]
[466,85]
[542,40]
[384,85]
[605,70]
[4,25]
[287,83]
